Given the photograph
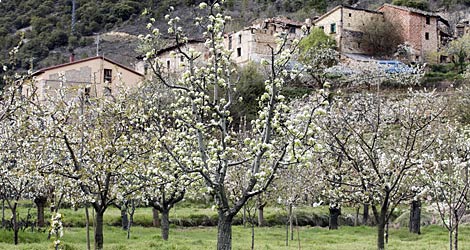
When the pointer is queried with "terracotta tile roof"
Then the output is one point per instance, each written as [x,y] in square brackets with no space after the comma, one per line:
[86,60]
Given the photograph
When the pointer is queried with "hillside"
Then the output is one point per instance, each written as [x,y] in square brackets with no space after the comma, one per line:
[47,25]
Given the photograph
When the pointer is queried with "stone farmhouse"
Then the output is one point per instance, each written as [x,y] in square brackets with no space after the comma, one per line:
[422,30]
[94,76]
[346,25]
[253,43]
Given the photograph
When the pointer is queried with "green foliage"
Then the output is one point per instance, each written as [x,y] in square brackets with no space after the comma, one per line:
[418,4]
[459,51]
[250,87]
[316,39]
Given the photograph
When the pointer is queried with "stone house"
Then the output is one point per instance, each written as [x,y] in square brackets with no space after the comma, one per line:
[462,28]
[94,76]
[420,29]
[346,25]
[172,61]
[253,43]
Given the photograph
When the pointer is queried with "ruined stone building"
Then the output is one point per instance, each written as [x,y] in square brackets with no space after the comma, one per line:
[346,25]
[254,43]
[420,29]
[94,76]
[172,61]
[462,28]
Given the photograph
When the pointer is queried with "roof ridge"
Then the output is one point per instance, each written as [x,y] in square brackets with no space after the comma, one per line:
[85,60]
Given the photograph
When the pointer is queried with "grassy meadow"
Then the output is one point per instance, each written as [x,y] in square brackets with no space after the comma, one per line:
[142,238]
[187,233]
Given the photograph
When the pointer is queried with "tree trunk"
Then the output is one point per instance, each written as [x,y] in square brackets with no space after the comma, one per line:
[415,217]
[386,233]
[356,220]
[365,216]
[334,215]
[165,223]
[40,204]
[456,236]
[381,233]
[156,220]
[131,219]
[224,232]
[14,220]
[99,239]
[261,216]
[450,239]
[291,223]
[124,218]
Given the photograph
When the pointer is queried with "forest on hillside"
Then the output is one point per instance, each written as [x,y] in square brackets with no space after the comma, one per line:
[47,25]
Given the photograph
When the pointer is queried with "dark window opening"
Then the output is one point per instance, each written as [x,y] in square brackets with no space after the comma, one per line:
[428,20]
[426,36]
[239,52]
[333,28]
[230,42]
[350,14]
[108,75]
[168,64]
[240,38]
[146,69]
[87,92]
[292,30]
[181,58]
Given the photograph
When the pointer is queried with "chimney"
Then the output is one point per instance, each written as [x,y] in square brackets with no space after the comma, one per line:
[72,57]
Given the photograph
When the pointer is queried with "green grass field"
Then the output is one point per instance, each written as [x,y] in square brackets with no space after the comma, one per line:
[348,238]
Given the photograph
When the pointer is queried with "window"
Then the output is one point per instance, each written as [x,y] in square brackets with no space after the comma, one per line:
[230,42]
[168,64]
[358,45]
[239,52]
[350,14]
[108,75]
[428,20]
[426,35]
[333,28]
[240,38]
[292,30]
[87,92]
[181,58]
